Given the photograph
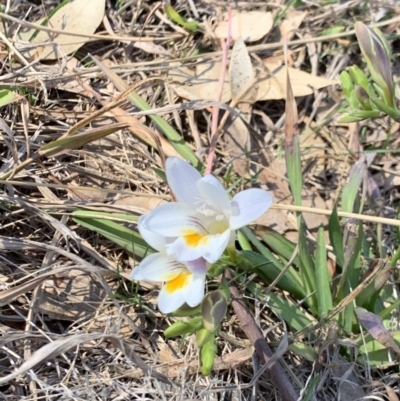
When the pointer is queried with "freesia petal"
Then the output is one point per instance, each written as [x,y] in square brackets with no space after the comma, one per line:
[211,248]
[182,177]
[194,294]
[182,251]
[213,192]
[216,246]
[168,303]
[156,241]
[172,295]
[248,206]
[198,266]
[157,267]
[173,220]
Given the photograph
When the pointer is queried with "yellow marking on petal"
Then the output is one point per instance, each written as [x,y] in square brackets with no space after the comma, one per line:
[193,238]
[178,282]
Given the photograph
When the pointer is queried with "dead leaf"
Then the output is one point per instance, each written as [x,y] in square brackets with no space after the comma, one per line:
[291,22]
[391,394]
[238,141]
[272,84]
[241,73]
[200,83]
[79,16]
[133,202]
[274,176]
[373,324]
[314,221]
[152,48]
[249,25]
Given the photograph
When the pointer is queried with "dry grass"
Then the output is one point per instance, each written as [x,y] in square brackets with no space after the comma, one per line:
[64,335]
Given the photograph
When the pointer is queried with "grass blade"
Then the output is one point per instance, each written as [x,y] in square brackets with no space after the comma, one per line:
[322,278]
[307,268]
[350,190]
[336,236]
[280,245]
[268,271]
[124,237]
[261,248]
[351,276]
[291,314]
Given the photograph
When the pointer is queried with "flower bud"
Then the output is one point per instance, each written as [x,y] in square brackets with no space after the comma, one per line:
[358,77]
[202,336]
[362,97]
[213,309]
[348,90]
[181,328]
[207,356]
[390,111]
[359,115]
[377,58]
[186,310]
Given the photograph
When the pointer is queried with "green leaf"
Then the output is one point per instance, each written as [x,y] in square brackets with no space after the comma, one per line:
[350,276]
[207,356]
[307,268]
[336,236]
[390,111]
[386,313]
[348,90]
[122,236]
[173,15]
[261,248]
[373,353]
[322,278]
[180,328]
[268,272]
[7,97]
[309,391]
[294,171]
[243,241]
[359,115]
[369,296]
[358,77]
[304,351]
[62,145]
[280,245]
[332,31]
[290,313]
[350,190]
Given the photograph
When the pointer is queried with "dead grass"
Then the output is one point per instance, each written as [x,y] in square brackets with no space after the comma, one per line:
[58,280]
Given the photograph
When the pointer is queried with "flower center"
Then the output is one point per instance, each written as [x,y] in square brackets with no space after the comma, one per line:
[218,226]
[193,238]
[178,282]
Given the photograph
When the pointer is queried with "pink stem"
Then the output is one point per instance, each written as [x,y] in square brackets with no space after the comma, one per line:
[214,116]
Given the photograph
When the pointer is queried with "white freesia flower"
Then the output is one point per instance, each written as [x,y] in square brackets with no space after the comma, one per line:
[183,282]
[203,221]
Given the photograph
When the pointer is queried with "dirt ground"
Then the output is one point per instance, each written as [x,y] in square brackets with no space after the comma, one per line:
[86,123]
